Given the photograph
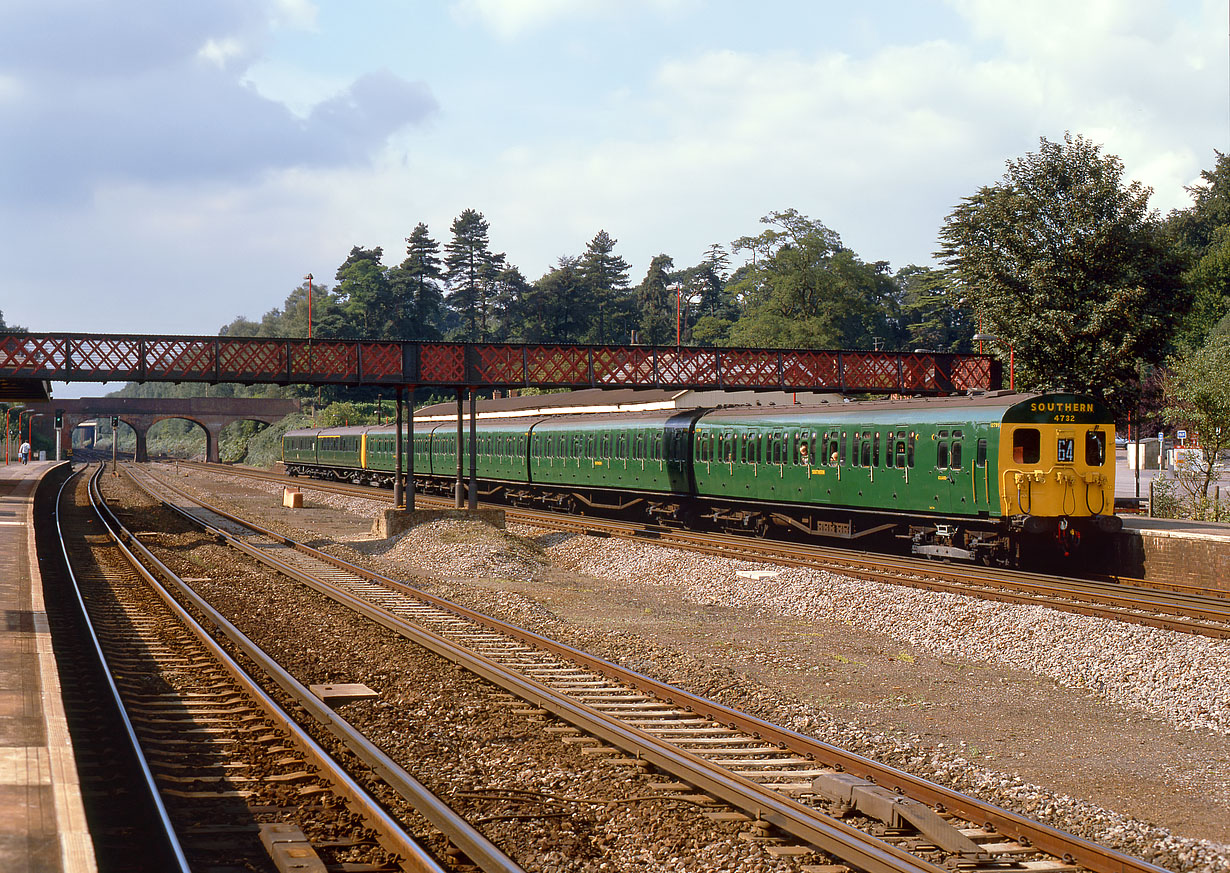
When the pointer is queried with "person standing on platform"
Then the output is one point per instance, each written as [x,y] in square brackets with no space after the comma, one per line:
[24,453]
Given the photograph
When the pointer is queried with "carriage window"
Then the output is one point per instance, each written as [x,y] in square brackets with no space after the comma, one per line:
[1095,448]
[956,454]
[842,456]
[866,448]
[1026,445]
[941,455]
[980,460]
[875,450]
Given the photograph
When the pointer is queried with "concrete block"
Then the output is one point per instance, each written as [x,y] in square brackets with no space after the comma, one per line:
[393,522]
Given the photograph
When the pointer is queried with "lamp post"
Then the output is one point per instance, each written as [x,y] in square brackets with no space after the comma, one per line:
[30,430]
[992,338]
[678,311]
[309,281]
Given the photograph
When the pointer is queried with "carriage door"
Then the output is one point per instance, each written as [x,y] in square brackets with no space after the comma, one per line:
[981,485]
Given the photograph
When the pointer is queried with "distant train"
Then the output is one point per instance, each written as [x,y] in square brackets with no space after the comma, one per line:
[993,478]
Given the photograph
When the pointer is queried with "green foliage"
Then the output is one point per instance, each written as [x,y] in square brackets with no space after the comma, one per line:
[610,309]
[1068,266]
[933,316]
[655,297]
[1194,229]
[264,449]
[471,271]
[1198,397]
[1209,281]
[804,289]
[416,286]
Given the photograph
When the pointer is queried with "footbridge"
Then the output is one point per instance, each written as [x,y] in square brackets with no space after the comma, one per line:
[211,413]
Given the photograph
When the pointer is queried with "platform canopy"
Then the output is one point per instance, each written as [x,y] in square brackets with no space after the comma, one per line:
[211,359]
[34,390]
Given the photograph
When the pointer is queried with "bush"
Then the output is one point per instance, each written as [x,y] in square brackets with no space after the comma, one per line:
[265,448]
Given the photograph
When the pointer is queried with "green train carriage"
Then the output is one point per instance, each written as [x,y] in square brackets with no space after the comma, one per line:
[959,477]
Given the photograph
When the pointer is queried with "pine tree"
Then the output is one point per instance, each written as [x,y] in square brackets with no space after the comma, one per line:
[605,276]
[655,298]
[416,283]
[471,268]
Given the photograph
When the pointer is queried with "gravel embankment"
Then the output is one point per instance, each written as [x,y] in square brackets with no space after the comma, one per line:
[1173,677]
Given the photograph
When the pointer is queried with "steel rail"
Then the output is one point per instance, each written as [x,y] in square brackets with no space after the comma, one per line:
[1196,614]
[835,837]
[476,847]
[166,829]
[1045,838]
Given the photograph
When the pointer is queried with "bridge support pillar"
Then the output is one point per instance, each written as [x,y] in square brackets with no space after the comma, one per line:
[141,455]
[213,433]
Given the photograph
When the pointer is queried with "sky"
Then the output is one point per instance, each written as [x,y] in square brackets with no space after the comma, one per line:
[166,167]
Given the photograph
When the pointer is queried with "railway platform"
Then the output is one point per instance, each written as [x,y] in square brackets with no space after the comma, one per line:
[42,820]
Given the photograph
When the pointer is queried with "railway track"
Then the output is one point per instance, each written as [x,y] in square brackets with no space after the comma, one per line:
[793,792]
[1176,608]
[237,781]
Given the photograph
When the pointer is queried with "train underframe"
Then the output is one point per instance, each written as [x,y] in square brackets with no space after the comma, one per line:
[1017,541]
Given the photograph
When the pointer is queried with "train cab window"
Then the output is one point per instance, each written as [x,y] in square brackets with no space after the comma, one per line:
[980,459]
[1095,448]
[1026,445]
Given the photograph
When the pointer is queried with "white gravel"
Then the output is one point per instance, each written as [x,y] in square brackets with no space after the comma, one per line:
[1178,678]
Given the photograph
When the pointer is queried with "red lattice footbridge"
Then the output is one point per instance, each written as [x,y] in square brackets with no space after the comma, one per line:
[62,357]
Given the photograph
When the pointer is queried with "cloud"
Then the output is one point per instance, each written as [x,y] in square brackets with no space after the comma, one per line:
[119,92]
[510,19]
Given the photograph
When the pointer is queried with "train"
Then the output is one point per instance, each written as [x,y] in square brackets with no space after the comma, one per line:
[993,478]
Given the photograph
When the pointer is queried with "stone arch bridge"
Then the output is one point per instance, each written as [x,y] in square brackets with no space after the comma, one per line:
[139,413]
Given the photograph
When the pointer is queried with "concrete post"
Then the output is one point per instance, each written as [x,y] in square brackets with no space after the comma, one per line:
[459,486]
[397,452]
[472,503]
[410,443]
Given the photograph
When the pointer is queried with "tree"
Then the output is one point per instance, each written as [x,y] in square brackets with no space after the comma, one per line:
[1209,283]
[471,268]
[11,327]
[1194,228]
[1069,267]
[605,275]
[655,298]
[415,285]
[932,316]
[556,307]
[804,288]
[364,293]
[1198,397]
